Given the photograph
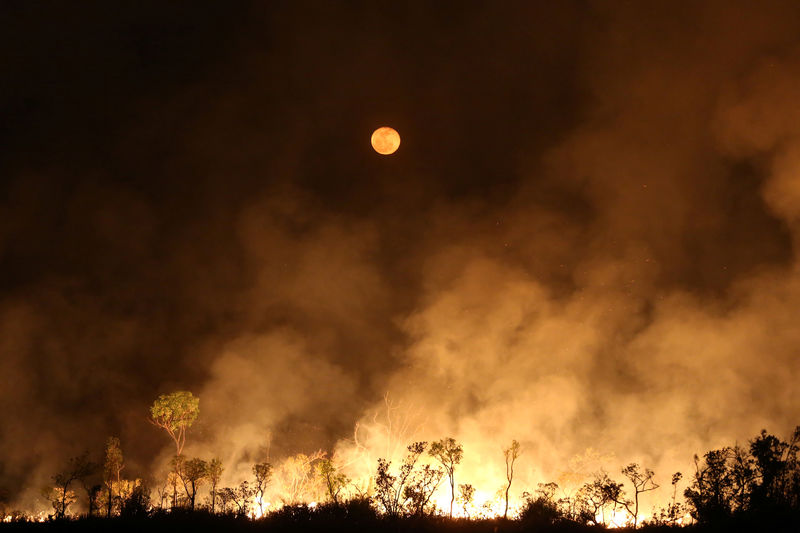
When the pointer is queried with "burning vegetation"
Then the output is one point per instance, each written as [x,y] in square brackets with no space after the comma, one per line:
[761,481]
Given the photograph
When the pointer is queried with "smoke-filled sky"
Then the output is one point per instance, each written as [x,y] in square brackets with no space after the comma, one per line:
[586,239]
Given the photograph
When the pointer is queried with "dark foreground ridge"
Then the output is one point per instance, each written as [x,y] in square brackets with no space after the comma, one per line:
[355,516]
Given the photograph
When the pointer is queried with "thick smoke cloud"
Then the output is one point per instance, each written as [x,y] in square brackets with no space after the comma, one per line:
[587,239]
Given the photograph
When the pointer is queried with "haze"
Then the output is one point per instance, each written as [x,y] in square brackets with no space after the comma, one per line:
[588,240]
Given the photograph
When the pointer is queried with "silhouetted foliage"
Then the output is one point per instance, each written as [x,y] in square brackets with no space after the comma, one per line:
[449,453]
[762,480]
[263,474]
[510,455]
[757,485]
[192,473]
[642,481]
[420,488]
[542,509]
[466,493]
[214,474]
[389,493]
[112,468]
[137,505]
[60,496]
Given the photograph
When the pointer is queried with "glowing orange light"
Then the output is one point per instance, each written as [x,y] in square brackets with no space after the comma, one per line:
[385,140]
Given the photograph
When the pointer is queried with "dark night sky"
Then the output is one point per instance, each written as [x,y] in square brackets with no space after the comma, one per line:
[189,200]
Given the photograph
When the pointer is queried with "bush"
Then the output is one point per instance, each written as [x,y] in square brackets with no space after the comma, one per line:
[137,504]
[540,512]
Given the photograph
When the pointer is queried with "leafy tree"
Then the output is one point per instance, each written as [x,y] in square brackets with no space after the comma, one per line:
[192,474]
[764,478]
[614,493]
[420,488]
[466,493]
[59,498]
[389,488]
[226,497]
[112,468]
[173,481]
[449,453]
[711,493]
[594,497]
[263,474]
[542,510]
[92,494]
[510,454]
[214,474]
[776,472]
[175,413]
[79,467]
[137,502]
[238,496]
[335,480]
[241,498]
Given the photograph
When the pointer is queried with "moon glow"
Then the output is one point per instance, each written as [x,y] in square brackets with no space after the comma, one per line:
[385,140]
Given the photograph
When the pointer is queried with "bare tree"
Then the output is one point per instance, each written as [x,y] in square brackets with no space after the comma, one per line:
[510,454]
[297,478]
[389,429]
[642,481]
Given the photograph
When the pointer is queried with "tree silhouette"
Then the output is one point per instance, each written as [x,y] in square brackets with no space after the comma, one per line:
[642,481]
[776,471]
[263,474]
[674,510]
[542,510]
[449,453]
[711,493]
[510,454]
[192,473]
[112,468]
[594,496]
[420,488]
[214,474]
[389,488]
[79,467]
[466,493]
[241,497]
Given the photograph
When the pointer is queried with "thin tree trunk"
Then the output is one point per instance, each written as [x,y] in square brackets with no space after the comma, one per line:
[452,494]
[505,511]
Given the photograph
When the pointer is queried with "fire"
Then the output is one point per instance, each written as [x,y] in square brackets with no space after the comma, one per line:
[257,512]
[614,518]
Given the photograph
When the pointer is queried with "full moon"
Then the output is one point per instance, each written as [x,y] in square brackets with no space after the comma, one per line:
[385,140]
